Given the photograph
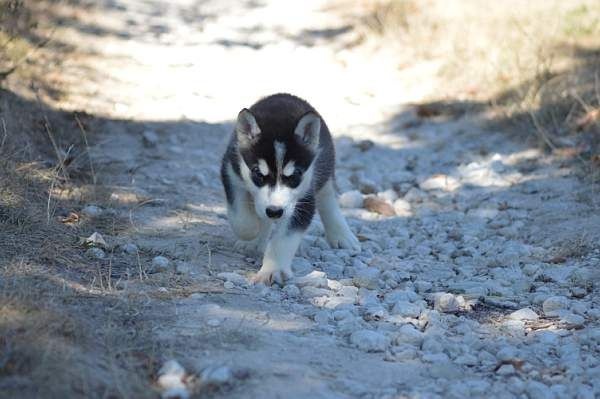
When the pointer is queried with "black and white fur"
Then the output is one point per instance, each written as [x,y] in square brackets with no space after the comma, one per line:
[278,167]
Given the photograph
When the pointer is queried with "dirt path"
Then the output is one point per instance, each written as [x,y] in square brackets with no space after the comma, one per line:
[497,226]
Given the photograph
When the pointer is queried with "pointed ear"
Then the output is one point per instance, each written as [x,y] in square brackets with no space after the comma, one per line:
[308,130]
[246,128]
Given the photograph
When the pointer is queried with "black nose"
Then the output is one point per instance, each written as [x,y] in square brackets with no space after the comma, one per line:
[274,213]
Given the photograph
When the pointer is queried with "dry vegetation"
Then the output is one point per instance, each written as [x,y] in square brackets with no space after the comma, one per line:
[525,66]
[60,336]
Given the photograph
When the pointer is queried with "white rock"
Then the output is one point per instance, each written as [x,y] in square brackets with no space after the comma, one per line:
[91,211]
[313,292]
[506,369]
[437,358]
[439,182]
[467,360]
[302,266]
[432,344]
[130,248]
[572,320]
[342,314]
[446,303]
[409,335]
[388,196]
[159,264]
[351,199]
[554,305]
[369,341]
[402,208]
[339,302]
[171,367]
[406,309]
[315,279]
[506,353]
[95,253]
[367,278]
[322,317]
[334,285]
[234,278]
[374,312]
[171,380]
[547,337]
[228,285]
[367,186]
[216,375]
[537,390]
[348,291]
[96,240]
[524,314]
[291,290]
[150,138]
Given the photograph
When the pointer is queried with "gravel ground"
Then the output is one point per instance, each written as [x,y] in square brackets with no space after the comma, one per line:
[478,275]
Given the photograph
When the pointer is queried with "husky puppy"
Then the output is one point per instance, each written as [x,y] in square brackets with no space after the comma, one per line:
[278,167]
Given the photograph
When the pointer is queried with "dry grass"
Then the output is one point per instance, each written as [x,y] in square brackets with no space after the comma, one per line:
[64,330]
[530,66]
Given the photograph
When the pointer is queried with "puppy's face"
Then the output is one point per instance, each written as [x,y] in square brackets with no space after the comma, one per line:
[278,172]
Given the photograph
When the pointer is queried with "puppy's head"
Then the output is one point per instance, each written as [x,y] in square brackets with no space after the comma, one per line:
[277,167]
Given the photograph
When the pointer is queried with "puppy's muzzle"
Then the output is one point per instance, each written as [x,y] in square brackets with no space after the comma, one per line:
[274,212]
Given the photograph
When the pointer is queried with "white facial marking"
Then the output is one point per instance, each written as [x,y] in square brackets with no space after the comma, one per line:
[279,155]
[281,196]
[289,169]
[263,167]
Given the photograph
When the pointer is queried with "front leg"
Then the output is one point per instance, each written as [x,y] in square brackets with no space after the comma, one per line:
[284,242]
[258,244]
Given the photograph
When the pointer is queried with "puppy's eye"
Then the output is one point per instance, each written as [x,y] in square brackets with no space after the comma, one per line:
[294,179]
[257,177]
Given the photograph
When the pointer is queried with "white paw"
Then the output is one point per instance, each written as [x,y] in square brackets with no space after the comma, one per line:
[268,276]
[343,238]
[252,247]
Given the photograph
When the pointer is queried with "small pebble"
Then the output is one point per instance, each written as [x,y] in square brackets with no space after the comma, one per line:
[216,375]
[524,314]
[91,211]
[572,320]
[351,199]
[291,290]
[369,341]
[159,264]
[554,305]
[367,278]
[95,253]
[446,303]
[150,138]
[506,369]
[130,248]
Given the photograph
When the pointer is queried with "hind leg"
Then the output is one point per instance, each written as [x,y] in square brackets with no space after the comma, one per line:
[337,231]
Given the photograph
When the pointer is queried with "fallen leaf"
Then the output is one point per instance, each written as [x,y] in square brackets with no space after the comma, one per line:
[72,217]
[377,205]
[587,119]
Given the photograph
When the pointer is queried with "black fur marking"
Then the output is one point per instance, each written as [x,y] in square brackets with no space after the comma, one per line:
[303,213]
[227,182]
